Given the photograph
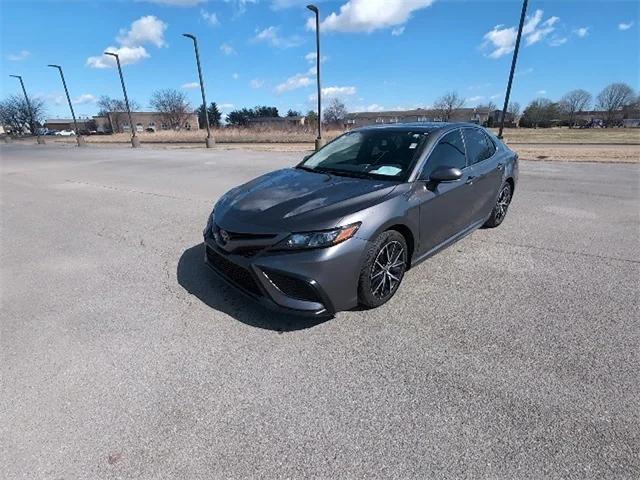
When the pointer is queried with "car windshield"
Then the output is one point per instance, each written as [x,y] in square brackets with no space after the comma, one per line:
[378,154]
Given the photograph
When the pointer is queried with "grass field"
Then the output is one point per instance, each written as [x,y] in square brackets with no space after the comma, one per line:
[561,144]
[241,135]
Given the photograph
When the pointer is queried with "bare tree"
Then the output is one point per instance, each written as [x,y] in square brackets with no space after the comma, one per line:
[573,102]
[173,106]
[514,109]
[335,113]
[614,98]
[117,109]
[14,112]
[446,105]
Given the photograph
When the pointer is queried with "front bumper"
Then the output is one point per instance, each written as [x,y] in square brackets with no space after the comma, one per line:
[316,282]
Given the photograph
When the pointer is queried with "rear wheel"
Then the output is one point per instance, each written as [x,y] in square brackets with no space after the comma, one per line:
[383,269]
[501,207]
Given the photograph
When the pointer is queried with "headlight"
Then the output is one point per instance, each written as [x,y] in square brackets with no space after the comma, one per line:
[207,229]
[325,238]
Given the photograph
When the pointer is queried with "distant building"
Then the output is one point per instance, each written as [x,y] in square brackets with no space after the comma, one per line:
[276,122]
[60,124]
[479,116]
[118,122]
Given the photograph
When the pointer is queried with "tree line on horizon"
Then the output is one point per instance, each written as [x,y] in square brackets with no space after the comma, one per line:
[175,109]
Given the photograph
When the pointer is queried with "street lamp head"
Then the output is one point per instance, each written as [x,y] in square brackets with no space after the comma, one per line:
[54,66]
[111,54]
[188,35]
[313,8]
[15,76]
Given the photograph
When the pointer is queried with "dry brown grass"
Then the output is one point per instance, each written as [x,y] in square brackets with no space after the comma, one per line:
[572,135]
[222,135]
[245,135]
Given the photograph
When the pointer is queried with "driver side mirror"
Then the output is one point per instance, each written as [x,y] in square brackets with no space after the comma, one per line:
[445,174]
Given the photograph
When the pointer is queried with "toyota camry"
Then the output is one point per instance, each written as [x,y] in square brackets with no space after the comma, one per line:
[340,229]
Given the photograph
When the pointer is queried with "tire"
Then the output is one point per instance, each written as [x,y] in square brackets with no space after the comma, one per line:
[387,260]
[502,205]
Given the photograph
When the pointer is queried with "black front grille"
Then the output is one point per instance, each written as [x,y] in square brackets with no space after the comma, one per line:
[233,272]
[293,287]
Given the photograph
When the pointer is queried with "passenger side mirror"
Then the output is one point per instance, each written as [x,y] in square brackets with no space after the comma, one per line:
[445,174]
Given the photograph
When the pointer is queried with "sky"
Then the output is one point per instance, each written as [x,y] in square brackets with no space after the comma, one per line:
[376,54]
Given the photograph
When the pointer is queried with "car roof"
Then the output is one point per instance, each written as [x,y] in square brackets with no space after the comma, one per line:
[426,127]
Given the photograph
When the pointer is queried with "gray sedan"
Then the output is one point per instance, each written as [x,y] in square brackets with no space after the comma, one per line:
[340,229]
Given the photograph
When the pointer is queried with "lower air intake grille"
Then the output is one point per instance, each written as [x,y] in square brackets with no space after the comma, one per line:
[293,287]
[235,273]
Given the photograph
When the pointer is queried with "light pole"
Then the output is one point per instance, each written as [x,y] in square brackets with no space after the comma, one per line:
[513,66]
[26,98]
[319,140]
[79,138]
[210,140]
[135,141]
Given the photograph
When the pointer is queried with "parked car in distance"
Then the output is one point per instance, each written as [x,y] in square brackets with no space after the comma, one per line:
[66,133]
[341,228]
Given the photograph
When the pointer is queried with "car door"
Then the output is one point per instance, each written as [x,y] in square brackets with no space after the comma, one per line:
[485,170]
[445,206]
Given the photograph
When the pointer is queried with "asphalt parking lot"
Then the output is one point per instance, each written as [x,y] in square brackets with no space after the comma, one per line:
[513,354]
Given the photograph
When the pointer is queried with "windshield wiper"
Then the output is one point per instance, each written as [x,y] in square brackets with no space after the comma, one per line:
[347,173]
[315,170]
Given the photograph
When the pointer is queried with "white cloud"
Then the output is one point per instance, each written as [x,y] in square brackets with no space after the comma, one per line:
[541,92]
[502,40]
[475,99]
[210,17]
[374,107]
[338,91]
[84,99]
[235,76]
[625,26]
[256,83]
[396,32]
[145,30]
[582,31]
[190,85]
[311,57]
[271,36]
[225,106]
[333,92]
[369,15]
[178,3]
[18,57]
[299,80]
[240,6]
[227,49]
[557,41]
[127,56]
[496,96]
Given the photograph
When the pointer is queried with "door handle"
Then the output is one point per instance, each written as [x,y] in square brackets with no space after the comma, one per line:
[470,180]
[500,166]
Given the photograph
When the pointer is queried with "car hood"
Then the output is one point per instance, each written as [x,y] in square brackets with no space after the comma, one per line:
[296,200]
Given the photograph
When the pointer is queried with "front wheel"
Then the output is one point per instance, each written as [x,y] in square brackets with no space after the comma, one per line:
[501,207]
[383,269]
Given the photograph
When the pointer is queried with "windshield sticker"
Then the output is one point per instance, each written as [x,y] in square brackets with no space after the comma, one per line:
[387,170]
[413,145]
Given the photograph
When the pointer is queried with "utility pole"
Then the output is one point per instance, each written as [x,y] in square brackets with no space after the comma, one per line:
[79,138]
[513,67]
[32,127]
[135,141]
[210,140]
[319,141]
